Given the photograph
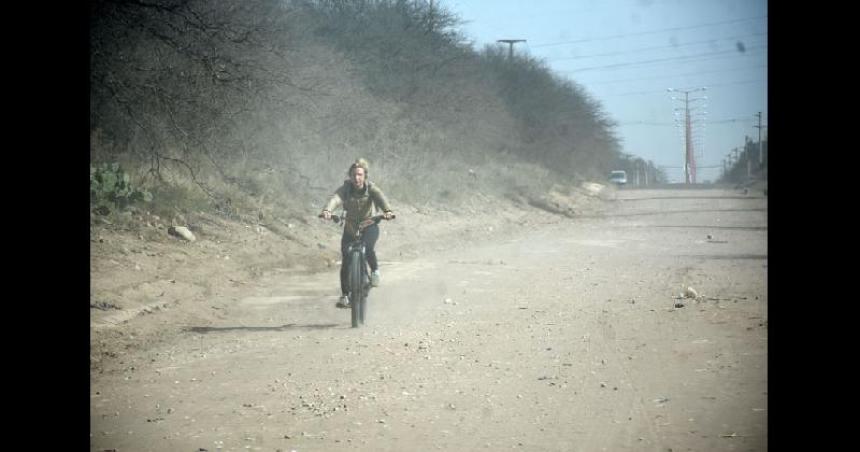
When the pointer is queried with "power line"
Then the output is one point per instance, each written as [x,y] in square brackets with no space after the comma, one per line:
[726,121]
[604,82]
[661,60]
[664,47]
[650,32]
[645,123]
[634,93]
[653,123]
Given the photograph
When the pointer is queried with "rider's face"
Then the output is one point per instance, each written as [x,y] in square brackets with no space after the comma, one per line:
[357,177]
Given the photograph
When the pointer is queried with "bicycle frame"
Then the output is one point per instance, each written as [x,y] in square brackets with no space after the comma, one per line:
[357,275]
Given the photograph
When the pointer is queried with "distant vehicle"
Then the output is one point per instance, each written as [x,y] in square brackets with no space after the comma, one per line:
[618,177]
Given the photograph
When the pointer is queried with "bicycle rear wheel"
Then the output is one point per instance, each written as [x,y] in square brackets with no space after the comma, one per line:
[356,298]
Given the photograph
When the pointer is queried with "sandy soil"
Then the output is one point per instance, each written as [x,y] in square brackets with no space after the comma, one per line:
[519,329]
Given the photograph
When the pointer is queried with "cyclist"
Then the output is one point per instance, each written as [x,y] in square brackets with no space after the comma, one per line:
[359,196]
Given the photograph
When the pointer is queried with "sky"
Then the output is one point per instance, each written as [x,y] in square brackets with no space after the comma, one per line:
[627,53]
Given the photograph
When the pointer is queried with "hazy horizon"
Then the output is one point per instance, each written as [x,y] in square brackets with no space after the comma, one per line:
[627,53]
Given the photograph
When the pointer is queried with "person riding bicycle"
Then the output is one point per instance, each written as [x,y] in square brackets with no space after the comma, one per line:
[359,196]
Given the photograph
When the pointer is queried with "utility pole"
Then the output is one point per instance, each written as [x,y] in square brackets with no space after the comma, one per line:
[511,43]
[735,159]
[760,149]
[689,157]
[431,17]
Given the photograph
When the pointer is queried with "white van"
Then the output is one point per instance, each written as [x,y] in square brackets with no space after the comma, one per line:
[618,177]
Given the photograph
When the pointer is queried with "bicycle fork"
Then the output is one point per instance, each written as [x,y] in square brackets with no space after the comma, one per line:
[365,277]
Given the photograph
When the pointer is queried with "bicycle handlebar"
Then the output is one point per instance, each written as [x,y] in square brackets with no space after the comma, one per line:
[334,217]
[376,219]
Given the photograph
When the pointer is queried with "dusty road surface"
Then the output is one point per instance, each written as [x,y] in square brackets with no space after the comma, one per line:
[571,336]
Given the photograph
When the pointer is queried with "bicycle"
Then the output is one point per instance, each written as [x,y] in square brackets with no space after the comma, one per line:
[358,279]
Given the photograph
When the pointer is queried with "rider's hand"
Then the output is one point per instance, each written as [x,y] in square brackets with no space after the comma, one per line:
[388,215]
[326,214]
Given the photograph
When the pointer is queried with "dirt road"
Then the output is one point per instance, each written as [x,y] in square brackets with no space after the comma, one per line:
[570,336]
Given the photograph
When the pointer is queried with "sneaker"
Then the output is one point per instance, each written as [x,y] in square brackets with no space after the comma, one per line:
[374,278]
[343,302]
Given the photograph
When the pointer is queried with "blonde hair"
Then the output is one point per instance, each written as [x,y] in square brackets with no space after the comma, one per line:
[360,163]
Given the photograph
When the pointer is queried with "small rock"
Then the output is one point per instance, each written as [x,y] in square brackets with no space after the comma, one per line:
[679,305]
[691,293]
[710,237]
[182,232]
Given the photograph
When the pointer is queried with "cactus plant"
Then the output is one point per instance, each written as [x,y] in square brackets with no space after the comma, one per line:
[110,184]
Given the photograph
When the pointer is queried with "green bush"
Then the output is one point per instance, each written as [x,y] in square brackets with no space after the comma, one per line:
[110,184]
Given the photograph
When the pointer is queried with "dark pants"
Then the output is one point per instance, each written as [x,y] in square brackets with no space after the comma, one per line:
[371,234]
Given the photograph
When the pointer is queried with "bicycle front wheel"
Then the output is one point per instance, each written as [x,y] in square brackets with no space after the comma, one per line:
[365,289]
[356,298]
